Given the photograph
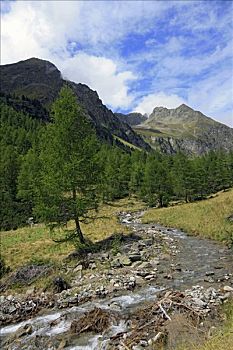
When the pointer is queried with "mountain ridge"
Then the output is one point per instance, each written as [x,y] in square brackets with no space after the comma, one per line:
[41,80]
[184,129]
[167,130]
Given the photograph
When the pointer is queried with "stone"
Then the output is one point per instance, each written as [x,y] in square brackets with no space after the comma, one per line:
[143,343]
[148,242]
[116,263]
[210,273]
[209,280]
[30,291]
[135,257]
[78,268]
[200,303]
[227,289]
[125,261]
[145,265]
[60,284]
[92,266]
[150,277]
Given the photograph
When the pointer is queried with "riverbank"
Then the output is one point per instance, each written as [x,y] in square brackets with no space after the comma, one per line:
[134,270]
[207,218]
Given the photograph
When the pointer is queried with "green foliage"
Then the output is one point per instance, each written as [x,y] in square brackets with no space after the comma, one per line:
[17,133]
[62,174]
[59,171]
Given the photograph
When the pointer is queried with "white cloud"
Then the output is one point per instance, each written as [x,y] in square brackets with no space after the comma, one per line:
[53,30]
[100,74]
[149,102]
[215,99]
[49,30]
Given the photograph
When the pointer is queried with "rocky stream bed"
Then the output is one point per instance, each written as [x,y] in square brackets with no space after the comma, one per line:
[145,290]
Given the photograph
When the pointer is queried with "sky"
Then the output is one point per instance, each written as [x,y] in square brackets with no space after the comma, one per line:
[137,55]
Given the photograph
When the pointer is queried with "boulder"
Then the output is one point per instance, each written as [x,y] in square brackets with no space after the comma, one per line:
[135,257]
[60,284]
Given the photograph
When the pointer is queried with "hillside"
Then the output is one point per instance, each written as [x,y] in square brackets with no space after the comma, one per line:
[41,80]
[183,129]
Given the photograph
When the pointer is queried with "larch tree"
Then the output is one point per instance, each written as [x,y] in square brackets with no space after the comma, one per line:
[67,184]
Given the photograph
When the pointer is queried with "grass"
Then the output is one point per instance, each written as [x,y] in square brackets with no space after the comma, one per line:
[207,218]
[19,247]
[223,337]
[130,145]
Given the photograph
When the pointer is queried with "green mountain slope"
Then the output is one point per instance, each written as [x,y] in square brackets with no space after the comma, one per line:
[183,129]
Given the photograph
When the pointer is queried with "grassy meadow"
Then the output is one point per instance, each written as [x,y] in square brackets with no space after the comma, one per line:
[24,245]
[207,218]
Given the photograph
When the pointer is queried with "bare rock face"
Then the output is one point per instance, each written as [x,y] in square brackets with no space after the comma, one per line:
[40,80]
[132,118]
[183,129]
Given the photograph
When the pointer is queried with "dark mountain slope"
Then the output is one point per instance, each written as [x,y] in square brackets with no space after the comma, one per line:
[132,118]
[41,80]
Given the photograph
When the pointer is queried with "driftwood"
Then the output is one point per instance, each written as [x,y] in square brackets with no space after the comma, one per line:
[151,319]
[96,320]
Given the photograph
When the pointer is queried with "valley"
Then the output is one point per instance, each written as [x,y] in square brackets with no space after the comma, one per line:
[128,273]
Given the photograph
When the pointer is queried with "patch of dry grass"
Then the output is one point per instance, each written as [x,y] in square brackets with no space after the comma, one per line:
[207,218]
[223,337]
[21,246]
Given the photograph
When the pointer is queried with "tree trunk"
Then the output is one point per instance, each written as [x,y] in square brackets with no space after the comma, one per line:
[160,201]
[79,231]
[76,219]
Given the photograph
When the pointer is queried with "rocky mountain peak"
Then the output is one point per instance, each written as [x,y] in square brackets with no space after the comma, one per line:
[184,108]
[159,110]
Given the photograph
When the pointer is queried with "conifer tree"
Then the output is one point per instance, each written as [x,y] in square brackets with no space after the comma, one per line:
[66,186]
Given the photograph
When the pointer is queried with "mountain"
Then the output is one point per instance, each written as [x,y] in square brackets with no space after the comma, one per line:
[184,129]
[39,80]
[132,118]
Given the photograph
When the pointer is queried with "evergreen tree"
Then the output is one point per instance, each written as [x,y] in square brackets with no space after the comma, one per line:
[66,185]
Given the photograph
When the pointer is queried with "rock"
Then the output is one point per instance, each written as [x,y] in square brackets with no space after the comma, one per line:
[155,262]
[199,303]
[142,273]
[210,273]
[30,291]
[116,263]
[92,266]
[22,331]
[27,274]
[63,344]
[60,284]
[137,347]
[78,268]
[145,265]
[227,289]
[125,261]
[139,280]
[148,242]
[135,257]
[150,277]
[143,343]
[209,280]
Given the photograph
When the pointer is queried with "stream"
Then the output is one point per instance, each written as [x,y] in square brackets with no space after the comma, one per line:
[193,261]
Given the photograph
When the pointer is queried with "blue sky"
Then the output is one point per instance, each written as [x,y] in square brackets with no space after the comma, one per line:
[136,54]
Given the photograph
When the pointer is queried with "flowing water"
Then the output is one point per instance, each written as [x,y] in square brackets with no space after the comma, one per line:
[194,261]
